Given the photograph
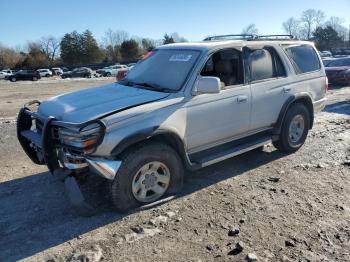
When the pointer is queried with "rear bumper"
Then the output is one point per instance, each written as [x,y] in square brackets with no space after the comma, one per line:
[42,146]
[319,105]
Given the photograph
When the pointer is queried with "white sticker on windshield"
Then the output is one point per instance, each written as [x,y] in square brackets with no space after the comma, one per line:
[180,58]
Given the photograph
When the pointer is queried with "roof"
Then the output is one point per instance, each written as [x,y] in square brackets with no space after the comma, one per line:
[216,44]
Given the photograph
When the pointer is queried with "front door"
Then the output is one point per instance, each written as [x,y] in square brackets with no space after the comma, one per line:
[214,119]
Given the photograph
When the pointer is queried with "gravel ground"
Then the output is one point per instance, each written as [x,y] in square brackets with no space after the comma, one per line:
[264,205]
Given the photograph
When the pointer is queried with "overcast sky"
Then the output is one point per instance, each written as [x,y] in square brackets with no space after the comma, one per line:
[194,19]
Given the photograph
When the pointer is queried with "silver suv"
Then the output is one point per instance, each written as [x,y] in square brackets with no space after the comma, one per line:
[184,106]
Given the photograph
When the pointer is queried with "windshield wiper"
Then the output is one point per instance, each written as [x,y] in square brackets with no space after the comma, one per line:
[154,87]
[148,86]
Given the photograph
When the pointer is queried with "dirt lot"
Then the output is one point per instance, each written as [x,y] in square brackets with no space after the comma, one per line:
[274,206]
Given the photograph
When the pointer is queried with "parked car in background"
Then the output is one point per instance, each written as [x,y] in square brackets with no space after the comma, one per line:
[25,75]
[101,71]
[124,71]
[325,53]
[338,71]
[57,71]
[121,74]
[327,60]
[113,70]
[78,72]
[4,74]
[131,65]
[45,72]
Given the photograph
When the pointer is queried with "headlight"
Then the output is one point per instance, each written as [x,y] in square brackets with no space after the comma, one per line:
[85,138]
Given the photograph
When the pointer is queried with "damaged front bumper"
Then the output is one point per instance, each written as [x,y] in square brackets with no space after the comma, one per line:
[38,137]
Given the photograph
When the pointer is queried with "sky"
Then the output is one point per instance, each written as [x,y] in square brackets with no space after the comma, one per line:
[193,19]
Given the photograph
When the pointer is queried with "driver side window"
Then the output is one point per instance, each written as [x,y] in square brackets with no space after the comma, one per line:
[227,65]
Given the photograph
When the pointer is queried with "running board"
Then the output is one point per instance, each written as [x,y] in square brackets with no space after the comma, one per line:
[227,151]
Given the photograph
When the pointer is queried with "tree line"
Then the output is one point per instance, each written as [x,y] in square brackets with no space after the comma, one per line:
[76,48]
[82,48]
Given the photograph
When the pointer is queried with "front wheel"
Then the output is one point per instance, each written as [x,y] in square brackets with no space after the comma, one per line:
[147,173]
[13,79]
[34,78]
[295,128]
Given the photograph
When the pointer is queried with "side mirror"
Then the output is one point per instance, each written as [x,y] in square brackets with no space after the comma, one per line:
[208,85]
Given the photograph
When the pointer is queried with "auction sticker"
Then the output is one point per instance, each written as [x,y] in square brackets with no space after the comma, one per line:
[180,58]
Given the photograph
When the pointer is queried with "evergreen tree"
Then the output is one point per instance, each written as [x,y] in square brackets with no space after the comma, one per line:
[326,38]
[130,50]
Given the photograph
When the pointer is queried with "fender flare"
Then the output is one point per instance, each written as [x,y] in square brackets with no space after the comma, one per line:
[301,97]
[163,135]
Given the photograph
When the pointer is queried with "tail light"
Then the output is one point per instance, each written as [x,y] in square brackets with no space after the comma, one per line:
[326,86]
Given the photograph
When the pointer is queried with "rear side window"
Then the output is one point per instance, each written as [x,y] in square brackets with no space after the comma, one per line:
[304,58]
[264,64]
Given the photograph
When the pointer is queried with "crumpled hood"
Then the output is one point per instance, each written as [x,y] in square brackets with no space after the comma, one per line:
[92,103]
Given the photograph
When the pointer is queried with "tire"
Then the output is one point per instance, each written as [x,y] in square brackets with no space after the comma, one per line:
[13,79]
[130,174]
[34,78]
[290,141]
[108,74]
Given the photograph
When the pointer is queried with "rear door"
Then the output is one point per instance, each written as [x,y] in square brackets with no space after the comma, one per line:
[269,85]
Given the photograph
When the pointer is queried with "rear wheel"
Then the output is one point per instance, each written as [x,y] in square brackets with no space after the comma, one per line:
[147,173]
[34,78]
[108,74]
[13,79]
[295,128]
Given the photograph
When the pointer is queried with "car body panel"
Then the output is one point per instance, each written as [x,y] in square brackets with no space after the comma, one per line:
[339,74]
[97,102]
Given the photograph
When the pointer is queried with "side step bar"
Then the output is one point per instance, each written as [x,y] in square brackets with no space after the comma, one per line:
[227,151]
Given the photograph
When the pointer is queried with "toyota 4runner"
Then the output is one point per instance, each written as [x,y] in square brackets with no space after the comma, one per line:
[184,106]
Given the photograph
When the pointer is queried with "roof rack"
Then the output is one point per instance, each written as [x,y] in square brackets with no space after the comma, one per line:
[230,37]
[251,37]
[277,37]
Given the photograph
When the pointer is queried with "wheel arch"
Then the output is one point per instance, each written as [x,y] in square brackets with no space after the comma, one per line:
[153,134]
[302,98]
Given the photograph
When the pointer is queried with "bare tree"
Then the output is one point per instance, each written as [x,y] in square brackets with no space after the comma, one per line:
[112,41]
[311,19]
[9,57]
[114,37]
[250,30]
[50,46]
[177,38]
[291,27]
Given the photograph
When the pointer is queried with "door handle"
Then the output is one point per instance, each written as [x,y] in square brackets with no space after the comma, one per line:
[286,89]
[242,99]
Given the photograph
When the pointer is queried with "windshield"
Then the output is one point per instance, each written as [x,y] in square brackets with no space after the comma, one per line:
[164,69]
[340,62]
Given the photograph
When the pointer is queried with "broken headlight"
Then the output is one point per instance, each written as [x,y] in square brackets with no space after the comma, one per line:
[84,139]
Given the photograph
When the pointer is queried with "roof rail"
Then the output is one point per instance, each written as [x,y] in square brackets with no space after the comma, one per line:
[250,37]
[230,37]
[277,37]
